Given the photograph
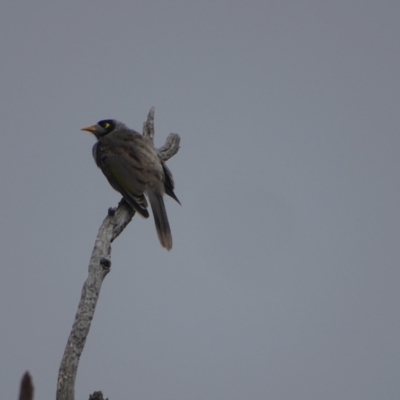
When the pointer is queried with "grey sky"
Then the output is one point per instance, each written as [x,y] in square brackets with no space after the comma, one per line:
[283,282]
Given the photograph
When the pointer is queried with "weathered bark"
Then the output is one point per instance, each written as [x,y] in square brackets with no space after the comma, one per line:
[99,266]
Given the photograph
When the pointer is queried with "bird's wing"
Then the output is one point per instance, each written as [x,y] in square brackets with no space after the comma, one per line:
[125,175]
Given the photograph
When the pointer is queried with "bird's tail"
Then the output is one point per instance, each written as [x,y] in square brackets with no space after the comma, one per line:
[160,219]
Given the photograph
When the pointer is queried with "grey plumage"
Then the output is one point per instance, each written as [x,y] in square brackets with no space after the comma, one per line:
[132,167]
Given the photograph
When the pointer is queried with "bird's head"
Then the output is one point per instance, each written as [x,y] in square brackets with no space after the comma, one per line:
[104,127]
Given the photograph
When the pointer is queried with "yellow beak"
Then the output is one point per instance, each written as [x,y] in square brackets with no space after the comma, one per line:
[91,129]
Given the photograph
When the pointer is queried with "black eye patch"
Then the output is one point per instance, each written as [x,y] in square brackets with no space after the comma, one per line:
[106,124]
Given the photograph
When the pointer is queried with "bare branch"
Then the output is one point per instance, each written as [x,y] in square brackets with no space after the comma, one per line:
[99,266]
[148,126]
[170,148]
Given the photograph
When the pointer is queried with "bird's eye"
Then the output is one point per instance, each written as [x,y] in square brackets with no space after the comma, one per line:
[104,124]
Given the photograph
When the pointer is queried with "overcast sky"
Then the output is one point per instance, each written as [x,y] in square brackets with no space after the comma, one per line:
[283,282]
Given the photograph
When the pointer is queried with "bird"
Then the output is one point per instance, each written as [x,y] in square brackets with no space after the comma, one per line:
[133,167]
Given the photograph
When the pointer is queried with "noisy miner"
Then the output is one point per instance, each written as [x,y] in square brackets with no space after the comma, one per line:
[132,167]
